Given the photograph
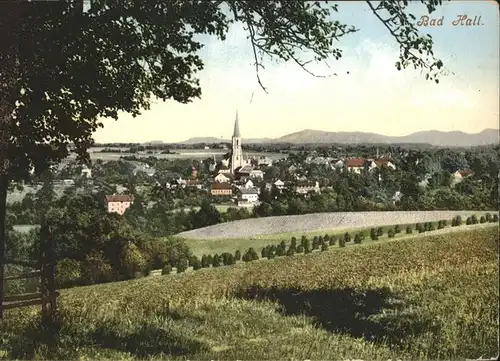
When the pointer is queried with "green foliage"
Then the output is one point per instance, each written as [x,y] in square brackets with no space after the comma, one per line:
[482,219]
[332,240]
[96,269]
[324,246]
[409,230]
[250,255]
[397,229]
[216,260]
[357,238]
[473,219]
[195,263]
[182,265]
[68,273]
[390,233]
[468,221]
[342,242]
[237,255]
[347,237]
[495,217]
[300,249]
[167,269]
[373,234]
[488,217]
[132,261]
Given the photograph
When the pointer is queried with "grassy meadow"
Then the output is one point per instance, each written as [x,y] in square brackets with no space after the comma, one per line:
[432,296]
[199,247]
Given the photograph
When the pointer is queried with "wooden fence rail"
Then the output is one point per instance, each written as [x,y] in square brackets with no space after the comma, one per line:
[46,271]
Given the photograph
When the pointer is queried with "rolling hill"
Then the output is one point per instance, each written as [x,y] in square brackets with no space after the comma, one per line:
[431,137]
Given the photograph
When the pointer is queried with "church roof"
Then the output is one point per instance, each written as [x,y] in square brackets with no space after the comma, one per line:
[236,132]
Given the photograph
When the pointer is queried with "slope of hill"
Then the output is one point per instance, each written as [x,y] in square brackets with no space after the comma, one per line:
[431,297]
[431,137]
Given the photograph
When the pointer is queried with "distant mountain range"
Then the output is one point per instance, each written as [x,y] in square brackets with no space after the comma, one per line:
[432,137]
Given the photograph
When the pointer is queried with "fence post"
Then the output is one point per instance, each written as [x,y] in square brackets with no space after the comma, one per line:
[48,268]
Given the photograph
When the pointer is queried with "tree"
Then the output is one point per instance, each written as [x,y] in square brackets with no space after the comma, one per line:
[324,246]
[97,63]
[357,238]
[409,230]
[237,255]
[397,229]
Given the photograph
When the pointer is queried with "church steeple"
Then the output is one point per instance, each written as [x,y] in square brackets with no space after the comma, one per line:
[236,132]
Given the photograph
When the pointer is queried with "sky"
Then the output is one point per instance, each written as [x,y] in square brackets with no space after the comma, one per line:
[372,97]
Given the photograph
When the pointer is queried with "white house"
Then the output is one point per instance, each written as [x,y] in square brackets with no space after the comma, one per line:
[86,172]
[222,178]
[306,187]
[459,175]
[250,195]
[279,184]
[356,165]
[249,184]
[256,173]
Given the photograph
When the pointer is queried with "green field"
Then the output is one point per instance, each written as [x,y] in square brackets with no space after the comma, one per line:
[203,246]
[432,296]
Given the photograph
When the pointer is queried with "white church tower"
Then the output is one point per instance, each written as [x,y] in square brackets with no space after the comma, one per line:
[237,153]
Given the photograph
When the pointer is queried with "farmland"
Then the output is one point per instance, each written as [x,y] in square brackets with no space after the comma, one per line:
[316,222]
[426,297]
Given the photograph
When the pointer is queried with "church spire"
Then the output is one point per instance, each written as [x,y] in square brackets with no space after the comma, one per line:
[236,132]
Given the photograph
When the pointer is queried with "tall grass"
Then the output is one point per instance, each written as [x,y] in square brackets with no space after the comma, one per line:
[431,297]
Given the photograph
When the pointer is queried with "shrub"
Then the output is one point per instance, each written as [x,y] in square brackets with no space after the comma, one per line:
[482,219]
[263,252]
[409,230]
[315,242]
[167,269]
[495,218]
[307,247]
[373,234]
[418,227]
[300,249]
[431,226]
[362,235]
[324,246]
[132,261]
[332,241]
[195,263]
[347,237]
[380,232]
[341,242]
[182,265]
[237,255]
[440,225]
[216,260]
[293,242]
[458,221]
[357,238]
[68,273]
[468,221]
[326,238]
[445,222]
[473,219]
[250,255]
[390,233]
[397,229]
[290,252]
[488,217]
[204,262]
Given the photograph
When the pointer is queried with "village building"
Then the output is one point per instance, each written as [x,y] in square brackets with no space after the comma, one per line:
[307,187]
[460,175]
[256,174]
[194,183]
[223,178]
[356,165]
[221,189]
[248,194]
[86,172]
[119,203]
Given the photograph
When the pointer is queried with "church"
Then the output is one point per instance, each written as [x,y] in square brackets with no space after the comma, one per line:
[237,166]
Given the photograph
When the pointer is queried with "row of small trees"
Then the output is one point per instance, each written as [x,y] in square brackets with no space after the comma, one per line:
[321,243]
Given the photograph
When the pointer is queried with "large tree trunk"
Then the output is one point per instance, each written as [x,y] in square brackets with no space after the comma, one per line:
[9,89]
[3,210]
